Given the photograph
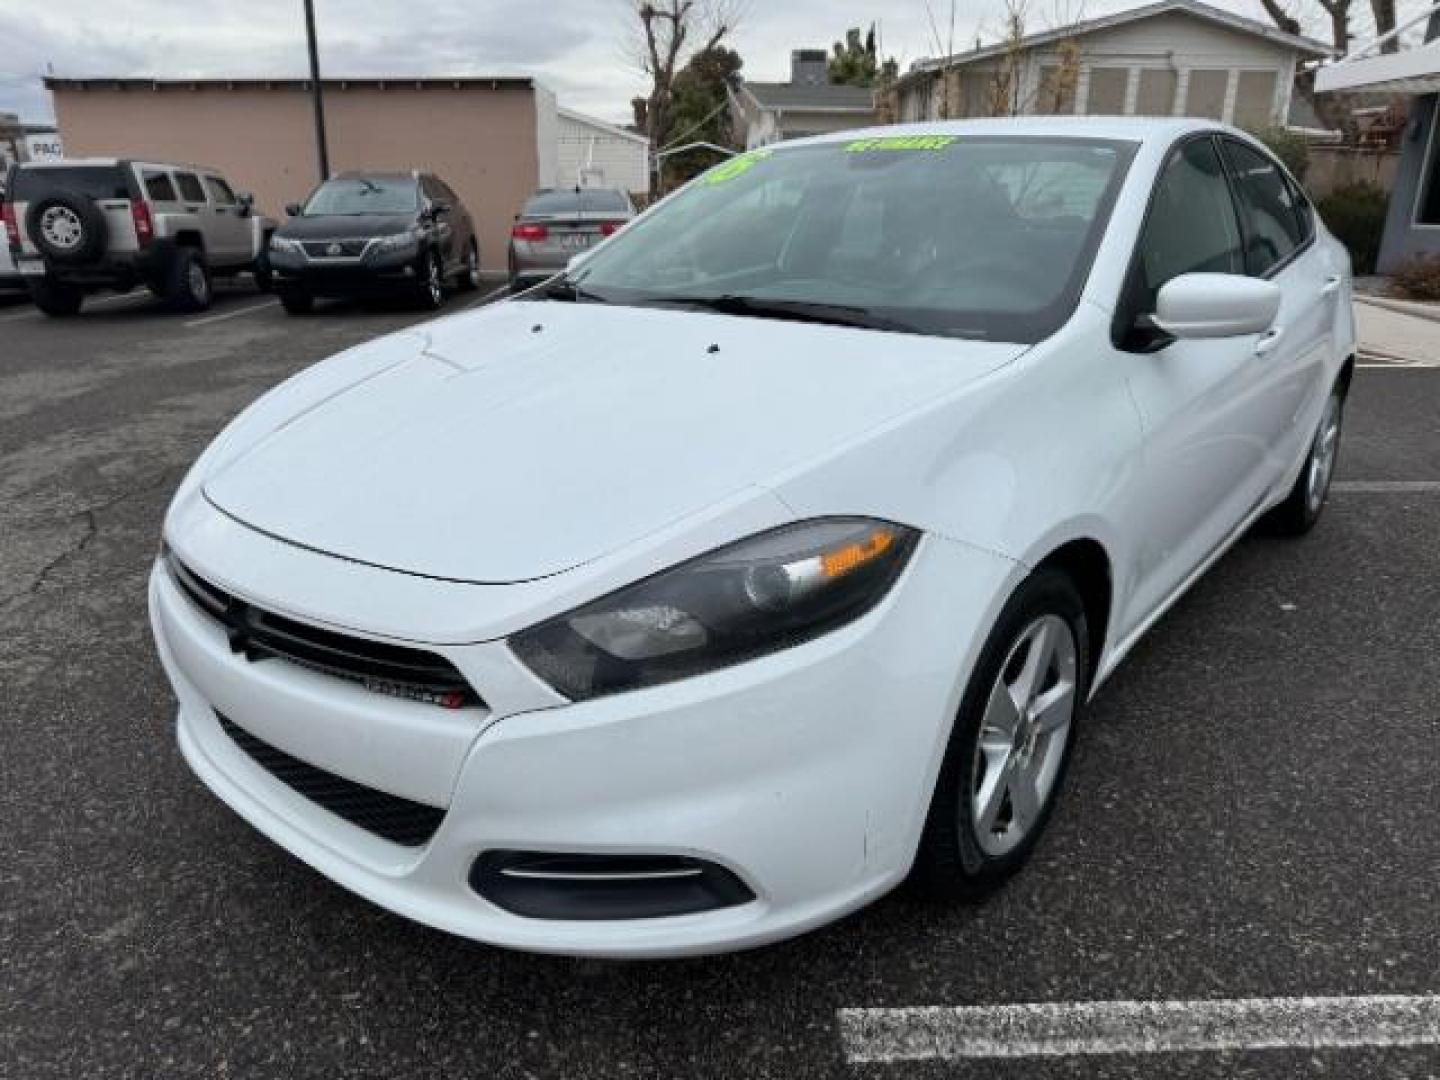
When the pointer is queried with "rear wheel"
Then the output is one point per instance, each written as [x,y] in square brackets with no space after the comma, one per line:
[1011,743]
[56,298]
[470,276]
[1301,509]
[187,285]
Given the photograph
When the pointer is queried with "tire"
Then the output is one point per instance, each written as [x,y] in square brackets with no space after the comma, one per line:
[68,229]
[56,298]
[431,291]
[470,272]
[959,859]
[187,281]
[296,302]
[1301,509]
[263,274]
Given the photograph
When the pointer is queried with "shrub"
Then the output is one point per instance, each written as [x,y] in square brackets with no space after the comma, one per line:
[1355,213]
[1290,147]
[1418,278]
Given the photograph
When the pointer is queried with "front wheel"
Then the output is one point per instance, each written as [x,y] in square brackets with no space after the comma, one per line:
[187,284]
[1301,509]
[432,283]
[1011,742]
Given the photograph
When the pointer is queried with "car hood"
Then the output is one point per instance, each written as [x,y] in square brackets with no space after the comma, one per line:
[345,226]
[524,439]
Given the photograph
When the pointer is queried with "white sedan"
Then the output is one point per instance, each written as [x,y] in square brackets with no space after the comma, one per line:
[770,556]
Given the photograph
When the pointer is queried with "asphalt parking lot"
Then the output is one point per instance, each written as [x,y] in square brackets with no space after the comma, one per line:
[1251,813]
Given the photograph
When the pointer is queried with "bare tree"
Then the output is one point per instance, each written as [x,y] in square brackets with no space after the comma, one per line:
[1337,10]
[668,33]
[1384,11]
[1007,94]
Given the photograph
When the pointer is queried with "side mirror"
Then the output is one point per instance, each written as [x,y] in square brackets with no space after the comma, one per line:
[438,209]
[294,209]
[1216,306]
[246,202]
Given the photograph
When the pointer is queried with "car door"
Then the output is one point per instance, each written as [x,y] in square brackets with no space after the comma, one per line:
[444,224]
[196,205]
[231,225]
[1207,420]
[1279,229]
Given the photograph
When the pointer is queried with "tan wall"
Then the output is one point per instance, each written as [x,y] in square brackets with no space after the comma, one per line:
[480,140]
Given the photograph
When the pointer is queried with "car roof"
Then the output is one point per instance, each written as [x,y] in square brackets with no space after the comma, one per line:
[1130,128]
[377,174]
[112,163]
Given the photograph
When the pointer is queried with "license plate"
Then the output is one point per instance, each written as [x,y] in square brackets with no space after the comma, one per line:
[31,266]
[574,240]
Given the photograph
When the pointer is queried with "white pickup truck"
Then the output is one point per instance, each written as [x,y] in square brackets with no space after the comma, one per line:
[79,225]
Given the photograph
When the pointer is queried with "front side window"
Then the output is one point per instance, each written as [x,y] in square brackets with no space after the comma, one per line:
[190,189]
[220,191]
[1191,227]
[364,195]
[1273,224]
[986,237]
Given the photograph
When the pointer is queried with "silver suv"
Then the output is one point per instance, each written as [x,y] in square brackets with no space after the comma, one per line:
[75,226]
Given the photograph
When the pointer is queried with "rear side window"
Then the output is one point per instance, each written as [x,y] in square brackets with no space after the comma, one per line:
[1191,227]
[159,187]
[189,185]
[220,191]
[94,181]
[1273,228]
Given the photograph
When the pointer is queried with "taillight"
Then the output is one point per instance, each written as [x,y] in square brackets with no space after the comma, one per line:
[610,228]
[144,224]
[525,231]
[12,230]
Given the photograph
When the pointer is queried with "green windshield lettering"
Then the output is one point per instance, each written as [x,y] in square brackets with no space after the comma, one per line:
[901,142]
[736,166]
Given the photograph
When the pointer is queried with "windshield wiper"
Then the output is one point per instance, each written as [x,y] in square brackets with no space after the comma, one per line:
[807,311]
[564,288]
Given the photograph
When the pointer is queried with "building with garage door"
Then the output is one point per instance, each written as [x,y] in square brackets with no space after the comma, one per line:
[1168,58]
[494,140]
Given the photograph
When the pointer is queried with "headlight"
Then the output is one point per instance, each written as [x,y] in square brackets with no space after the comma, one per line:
[763,594]
[285,245]
[398,242]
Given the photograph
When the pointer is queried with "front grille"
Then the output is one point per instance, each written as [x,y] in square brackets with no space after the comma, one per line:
[326,249]
[398,820]
[394,670]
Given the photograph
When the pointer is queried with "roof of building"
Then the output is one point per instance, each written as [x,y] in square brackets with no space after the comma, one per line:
[341,82]
[805,98]
[608,128]
[1195,8]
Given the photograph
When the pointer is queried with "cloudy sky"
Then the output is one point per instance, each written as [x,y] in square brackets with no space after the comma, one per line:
[578,47]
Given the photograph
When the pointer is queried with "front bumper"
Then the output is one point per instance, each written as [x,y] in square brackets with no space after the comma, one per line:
[373,273]
[806,773]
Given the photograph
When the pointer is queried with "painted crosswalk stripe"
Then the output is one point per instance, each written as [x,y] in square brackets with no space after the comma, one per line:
[1063,1029]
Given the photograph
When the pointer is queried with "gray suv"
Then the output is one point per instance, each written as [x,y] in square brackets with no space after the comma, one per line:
[75,226]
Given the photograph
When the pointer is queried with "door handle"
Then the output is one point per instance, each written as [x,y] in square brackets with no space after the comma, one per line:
[1268,340]
[1331,286]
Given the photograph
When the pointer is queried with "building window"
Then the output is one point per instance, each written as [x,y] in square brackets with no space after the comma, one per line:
[1255,100]
[1057,91]
[1107,91]
[1427,207]
[1157,92]
[1207,94]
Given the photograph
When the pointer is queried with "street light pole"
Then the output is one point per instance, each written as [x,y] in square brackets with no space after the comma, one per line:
[317,96]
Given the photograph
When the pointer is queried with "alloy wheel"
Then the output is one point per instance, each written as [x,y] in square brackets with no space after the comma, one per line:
[198,285]
[472,266]
[1323,454]
[1023,735]
[62,227]
[433,284]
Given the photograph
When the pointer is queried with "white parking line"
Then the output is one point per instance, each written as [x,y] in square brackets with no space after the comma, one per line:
[1383,487]
[232,314]
[882,1036]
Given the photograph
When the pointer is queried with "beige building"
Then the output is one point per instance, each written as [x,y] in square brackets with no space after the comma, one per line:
[493,140]
[1167,58]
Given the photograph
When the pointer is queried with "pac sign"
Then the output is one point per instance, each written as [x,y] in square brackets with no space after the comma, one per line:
[45,147]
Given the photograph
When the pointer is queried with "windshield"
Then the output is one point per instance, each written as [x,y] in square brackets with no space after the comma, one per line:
[984,237]
[557,203]
[364,195]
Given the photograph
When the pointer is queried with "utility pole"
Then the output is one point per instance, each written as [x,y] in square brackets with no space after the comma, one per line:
[317,96]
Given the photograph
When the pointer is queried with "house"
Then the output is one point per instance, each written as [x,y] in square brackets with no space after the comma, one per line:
[1167,58]
[1412,221]
[26,142]
[809,104]
[592,153]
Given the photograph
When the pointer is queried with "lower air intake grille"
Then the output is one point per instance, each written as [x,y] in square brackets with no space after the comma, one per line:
[398,820]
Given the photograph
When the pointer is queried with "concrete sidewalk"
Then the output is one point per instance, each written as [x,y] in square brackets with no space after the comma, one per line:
[1388,331]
